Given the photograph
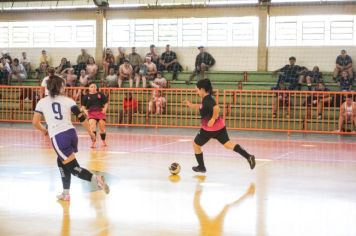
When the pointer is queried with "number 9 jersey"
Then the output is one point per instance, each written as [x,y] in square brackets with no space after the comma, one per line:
[57,113]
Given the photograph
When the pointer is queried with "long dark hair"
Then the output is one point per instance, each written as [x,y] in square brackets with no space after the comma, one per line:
[206,85]
[54,85]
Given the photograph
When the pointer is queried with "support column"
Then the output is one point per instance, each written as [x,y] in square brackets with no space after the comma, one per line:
[100,36]
[262,51]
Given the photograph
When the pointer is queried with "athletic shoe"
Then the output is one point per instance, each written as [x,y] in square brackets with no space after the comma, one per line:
[102,184]
[251,161]
[63,197]
[199,169]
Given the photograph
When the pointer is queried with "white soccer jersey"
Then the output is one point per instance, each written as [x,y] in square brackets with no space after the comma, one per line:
[44,84]
[57,113]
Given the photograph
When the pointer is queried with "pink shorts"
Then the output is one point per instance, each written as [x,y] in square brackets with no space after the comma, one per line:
[96,115]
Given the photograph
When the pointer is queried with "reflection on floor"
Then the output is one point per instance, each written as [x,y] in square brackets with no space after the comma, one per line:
[300,186]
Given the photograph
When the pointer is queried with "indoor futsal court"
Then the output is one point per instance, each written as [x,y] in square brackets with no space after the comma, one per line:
[193,117]
[301,185]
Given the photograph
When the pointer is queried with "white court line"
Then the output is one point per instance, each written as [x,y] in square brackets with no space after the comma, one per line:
[307,145]
[115,152]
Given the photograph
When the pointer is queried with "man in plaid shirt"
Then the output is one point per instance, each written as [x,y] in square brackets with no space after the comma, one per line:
[289,74]
[343,63]
[169,62]
[203,62]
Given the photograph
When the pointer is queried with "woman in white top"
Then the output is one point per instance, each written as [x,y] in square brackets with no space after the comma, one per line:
[56,109]
[347,113]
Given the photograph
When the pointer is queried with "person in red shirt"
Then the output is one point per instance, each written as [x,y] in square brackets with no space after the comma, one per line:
[130,105]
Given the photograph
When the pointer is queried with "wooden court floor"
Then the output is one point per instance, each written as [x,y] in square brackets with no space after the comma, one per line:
[302,185]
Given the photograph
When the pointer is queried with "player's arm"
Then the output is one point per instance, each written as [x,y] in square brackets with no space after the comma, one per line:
[191,105]
[216,110]
[83,120]
[36,121]
[105,107]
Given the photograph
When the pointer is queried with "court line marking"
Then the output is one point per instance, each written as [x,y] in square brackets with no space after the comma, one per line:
[232,137]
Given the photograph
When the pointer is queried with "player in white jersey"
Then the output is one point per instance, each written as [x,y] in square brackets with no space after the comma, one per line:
[57,109]
[347,113]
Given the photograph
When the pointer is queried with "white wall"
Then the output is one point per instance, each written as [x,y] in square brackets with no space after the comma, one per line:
[324,57]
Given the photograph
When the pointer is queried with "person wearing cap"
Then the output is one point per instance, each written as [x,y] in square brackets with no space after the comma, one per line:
[203,62]
[169,62]
[154,55]
[343,63]
[6,55]
[125,72]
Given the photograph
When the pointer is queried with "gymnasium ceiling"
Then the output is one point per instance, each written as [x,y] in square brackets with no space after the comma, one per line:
[73,4]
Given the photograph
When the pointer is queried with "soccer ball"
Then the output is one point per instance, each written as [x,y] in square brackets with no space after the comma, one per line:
[174,168]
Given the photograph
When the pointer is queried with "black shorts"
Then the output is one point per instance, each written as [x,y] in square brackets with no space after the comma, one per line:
[204,136]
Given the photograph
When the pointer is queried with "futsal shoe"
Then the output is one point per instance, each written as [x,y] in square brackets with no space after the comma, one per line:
[63,197]
[199,169]
[102,184]
[251,161]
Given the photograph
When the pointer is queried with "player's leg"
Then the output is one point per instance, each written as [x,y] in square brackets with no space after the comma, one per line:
[224,139]
[201,139]
[102,131]
[92,125]
[66,179]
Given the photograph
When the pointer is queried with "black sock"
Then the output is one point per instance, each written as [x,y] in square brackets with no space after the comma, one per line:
[241,151]
[103,136]
[65,174]
[78,171]
[200,159]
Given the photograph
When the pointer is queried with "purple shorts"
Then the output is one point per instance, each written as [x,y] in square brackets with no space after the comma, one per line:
[65,143]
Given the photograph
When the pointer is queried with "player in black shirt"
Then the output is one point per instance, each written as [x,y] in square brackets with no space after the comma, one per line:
[94,105]
[212,126]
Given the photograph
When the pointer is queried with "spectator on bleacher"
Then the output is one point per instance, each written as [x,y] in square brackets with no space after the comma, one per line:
[130,106]
[135,61]
[25,61]
[6,55]
[345,81]
[5,71]
[203,62]
[347,113]
[343,63]
[121,56]
[83,58]
[281,99]
[125,73]
[70,77]
[154,55]
[111,79]
[63,65]
[45,62]
[169,62]
[108,60]
[159,81]
[147,72]
[18,71]
[319,99]
[313,76]
[92,69]
[157,103]
[290,74]
[83,79]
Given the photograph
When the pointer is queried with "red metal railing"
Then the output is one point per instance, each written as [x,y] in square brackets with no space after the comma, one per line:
[288,111]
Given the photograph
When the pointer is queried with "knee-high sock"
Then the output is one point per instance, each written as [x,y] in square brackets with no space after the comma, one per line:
[241,151]
[78,171]
[103,136]
[65,174]
[200,159]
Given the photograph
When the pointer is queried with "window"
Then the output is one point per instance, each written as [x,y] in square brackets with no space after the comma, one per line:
[47,34]
[184,32]
[312,30]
